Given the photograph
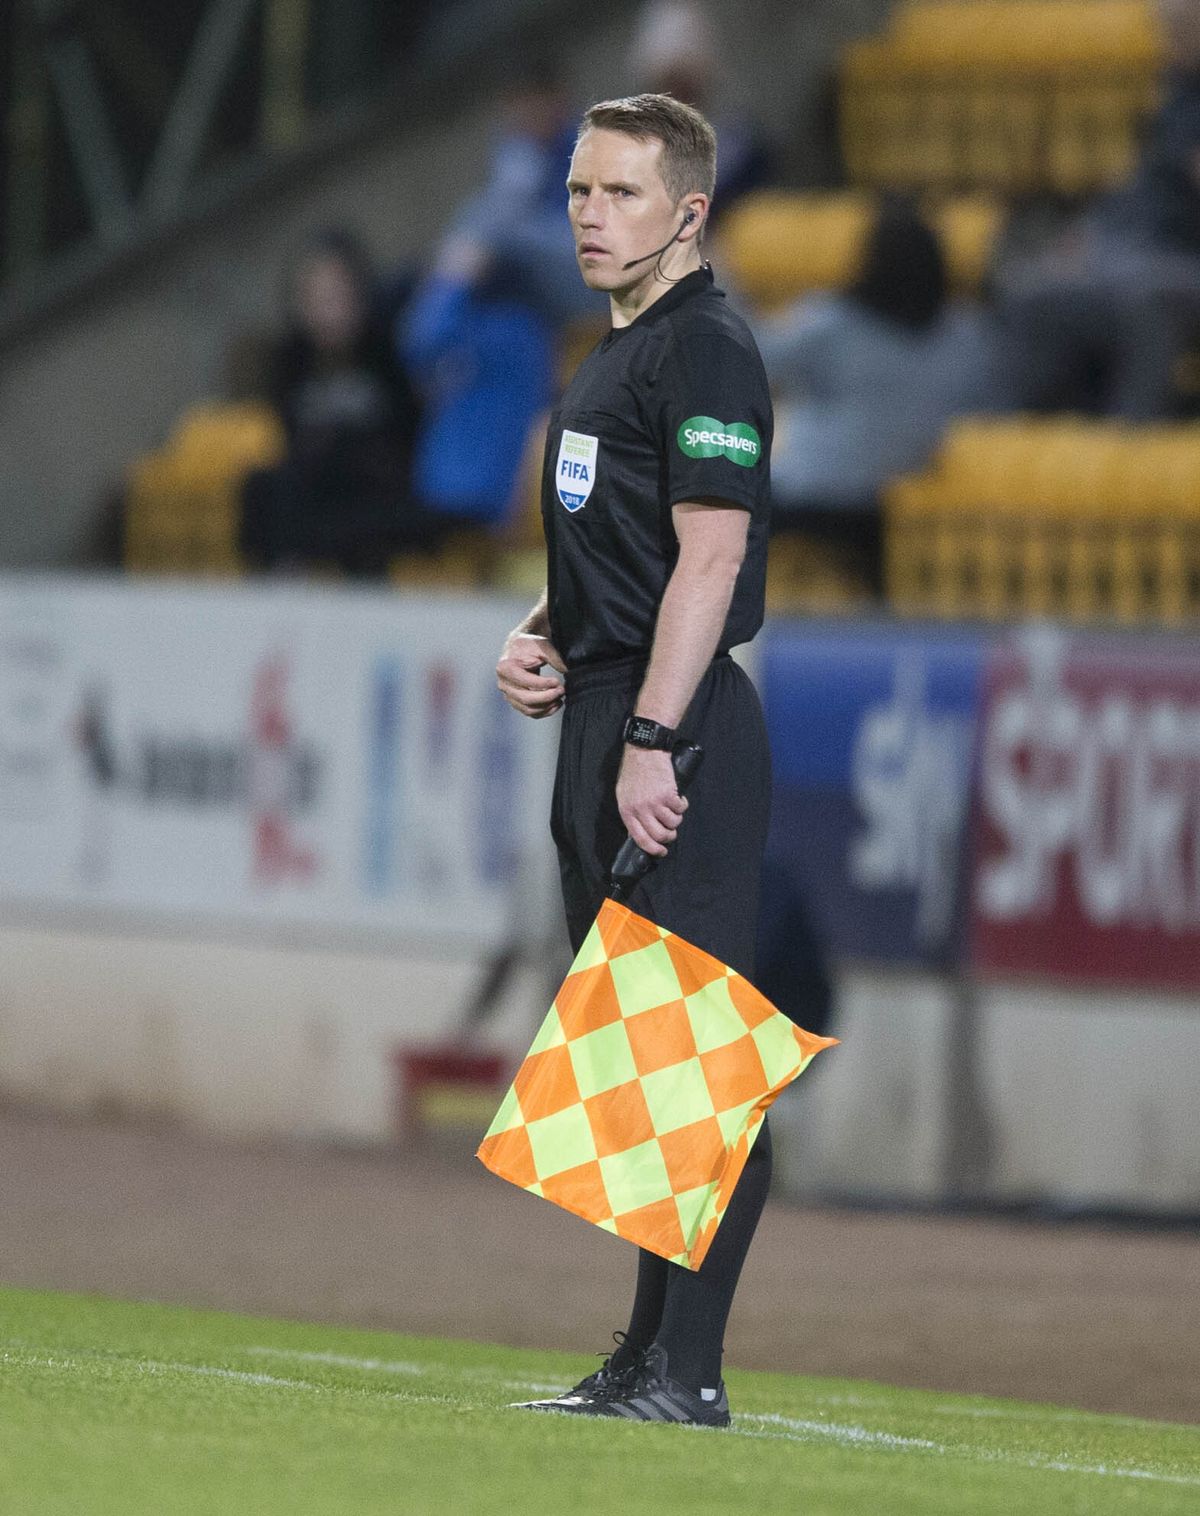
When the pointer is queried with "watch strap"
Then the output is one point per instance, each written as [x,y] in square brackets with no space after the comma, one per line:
[640,731]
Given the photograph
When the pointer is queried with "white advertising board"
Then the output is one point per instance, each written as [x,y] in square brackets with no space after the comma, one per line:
[310,758]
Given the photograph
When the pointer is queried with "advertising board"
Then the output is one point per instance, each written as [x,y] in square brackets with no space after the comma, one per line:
[1086,856]
[270,754]
[872,729]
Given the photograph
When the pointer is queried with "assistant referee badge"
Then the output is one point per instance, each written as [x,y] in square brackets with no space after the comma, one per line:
[576,471]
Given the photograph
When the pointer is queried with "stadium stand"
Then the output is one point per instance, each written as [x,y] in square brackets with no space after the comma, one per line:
[1079,519]
[1013,96]
[976,108]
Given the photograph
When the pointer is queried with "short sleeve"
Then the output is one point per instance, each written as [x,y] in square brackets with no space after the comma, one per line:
[713,415]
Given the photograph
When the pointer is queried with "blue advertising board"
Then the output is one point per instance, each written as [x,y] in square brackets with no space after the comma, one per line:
[872,732]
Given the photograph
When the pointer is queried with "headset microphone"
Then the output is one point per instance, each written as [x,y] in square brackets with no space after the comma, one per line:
[659,251]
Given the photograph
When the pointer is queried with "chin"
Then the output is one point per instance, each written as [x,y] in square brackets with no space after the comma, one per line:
[599,279]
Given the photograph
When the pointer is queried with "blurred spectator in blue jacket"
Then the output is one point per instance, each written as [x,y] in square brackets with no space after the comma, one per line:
[484,358]
[1101,320]
[519,218]
[342,494]
[674,52]
[480,333]
[865,381]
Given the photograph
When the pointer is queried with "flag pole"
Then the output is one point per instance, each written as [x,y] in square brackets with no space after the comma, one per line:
[632,862]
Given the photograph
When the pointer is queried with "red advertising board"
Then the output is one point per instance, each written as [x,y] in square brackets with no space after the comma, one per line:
[1086,824]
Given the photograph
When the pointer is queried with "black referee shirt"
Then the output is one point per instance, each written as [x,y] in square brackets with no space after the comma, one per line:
[673,407]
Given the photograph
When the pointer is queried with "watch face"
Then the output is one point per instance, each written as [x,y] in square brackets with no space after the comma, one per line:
[643,732]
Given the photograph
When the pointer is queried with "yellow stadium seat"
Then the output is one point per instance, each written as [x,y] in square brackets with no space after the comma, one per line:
[1038,34]
[183,503]
[809,577]
[1010,95]
[1020,516]
[781,244]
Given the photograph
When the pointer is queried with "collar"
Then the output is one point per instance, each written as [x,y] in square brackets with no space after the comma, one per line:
[696,283]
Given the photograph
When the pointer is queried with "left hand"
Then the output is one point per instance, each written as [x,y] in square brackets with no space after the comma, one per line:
[650,805]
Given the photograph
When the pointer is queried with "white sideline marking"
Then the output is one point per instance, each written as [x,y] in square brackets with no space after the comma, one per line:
[846,1434]
[793,1430]
[1010,1413]
[401,1366]
[152,1366]
[342,1360]
[771,1425]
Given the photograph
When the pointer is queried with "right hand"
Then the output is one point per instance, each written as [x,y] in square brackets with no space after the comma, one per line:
[526,689]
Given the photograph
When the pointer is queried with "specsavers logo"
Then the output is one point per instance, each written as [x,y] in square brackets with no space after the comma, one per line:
[702,437]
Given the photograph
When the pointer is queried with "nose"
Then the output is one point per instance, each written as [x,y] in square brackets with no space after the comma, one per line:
[587,212]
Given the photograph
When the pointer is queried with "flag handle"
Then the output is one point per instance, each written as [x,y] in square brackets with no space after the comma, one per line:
[632,862]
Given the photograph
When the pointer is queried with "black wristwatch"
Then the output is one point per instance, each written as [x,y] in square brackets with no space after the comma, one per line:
[640,731]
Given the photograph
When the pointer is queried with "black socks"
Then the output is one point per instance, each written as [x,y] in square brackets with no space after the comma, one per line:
[684,1311]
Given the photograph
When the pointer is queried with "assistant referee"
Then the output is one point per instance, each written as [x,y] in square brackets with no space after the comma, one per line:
[655,502]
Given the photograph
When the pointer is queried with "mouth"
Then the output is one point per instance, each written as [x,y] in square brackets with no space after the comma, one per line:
[592,250]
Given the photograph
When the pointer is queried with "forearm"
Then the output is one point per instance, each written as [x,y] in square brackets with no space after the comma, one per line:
[537,623]
[686,636]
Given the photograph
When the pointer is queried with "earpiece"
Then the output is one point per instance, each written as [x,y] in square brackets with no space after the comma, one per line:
[689,218]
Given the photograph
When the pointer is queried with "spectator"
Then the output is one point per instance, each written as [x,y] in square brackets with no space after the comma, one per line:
[866,381]
[480,335]
[342,495]
[484,358]
[674,52]
[1100,321]
[517,225]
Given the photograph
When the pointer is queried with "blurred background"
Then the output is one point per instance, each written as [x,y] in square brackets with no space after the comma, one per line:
[286,295]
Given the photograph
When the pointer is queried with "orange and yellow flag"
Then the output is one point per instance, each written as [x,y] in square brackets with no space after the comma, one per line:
[642,1094]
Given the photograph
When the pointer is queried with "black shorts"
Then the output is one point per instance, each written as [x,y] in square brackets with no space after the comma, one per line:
[706,889]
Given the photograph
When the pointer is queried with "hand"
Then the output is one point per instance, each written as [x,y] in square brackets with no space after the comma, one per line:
[518,674]
[650,805]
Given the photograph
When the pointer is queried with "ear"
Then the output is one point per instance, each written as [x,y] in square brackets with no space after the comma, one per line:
[695,213]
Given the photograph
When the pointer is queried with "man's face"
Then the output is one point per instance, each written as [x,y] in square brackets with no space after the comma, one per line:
[619,207]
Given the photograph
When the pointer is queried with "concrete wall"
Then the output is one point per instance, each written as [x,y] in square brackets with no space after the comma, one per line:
[239,1039]
[1089,1101]
[87,393]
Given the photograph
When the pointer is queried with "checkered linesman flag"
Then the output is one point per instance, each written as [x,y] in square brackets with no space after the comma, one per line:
[642,1094]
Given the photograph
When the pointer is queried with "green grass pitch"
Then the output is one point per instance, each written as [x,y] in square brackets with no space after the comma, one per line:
[111,1408]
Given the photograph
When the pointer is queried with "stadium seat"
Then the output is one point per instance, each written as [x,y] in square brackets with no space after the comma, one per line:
[811,578]
[782,244]
[1005,95]
[183,503]
[1021,516]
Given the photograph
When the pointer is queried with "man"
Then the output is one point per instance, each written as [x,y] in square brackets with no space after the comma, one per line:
[1107,318]
[655,506]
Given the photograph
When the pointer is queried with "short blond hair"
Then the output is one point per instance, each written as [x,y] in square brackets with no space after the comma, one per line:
[689,145]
